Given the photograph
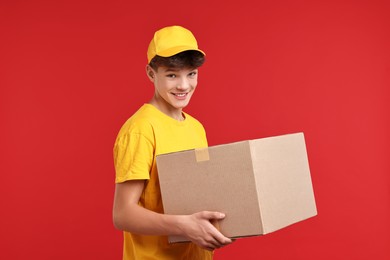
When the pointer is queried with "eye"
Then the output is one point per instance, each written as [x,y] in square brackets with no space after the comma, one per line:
[192,74]
[171,76]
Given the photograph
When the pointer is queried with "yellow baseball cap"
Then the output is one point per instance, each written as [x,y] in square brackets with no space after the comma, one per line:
[172,40]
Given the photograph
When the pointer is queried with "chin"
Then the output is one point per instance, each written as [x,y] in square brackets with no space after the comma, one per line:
[180,105]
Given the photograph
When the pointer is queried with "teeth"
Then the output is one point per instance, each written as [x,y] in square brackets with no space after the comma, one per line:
[180,95]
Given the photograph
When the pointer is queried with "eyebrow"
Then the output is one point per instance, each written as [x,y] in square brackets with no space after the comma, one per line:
[171,70]
[176,69]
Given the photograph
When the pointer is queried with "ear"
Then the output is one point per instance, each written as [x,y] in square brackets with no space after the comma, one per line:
[150,73]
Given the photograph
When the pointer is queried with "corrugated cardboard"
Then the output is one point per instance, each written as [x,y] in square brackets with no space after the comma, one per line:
[261,185]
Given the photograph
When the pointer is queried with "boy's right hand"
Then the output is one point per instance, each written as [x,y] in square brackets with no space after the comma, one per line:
[199,229]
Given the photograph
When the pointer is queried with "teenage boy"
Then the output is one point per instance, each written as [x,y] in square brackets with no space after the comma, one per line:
[159,127]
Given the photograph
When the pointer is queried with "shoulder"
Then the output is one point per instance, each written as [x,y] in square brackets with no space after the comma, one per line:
[138,124]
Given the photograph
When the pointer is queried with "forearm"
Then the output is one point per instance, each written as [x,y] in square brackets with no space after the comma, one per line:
[196,227]
[138,220]
[129,216]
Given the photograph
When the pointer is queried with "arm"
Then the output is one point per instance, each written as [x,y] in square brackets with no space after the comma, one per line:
[129,216]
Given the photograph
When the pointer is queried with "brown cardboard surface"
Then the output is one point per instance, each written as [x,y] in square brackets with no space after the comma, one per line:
[261,185]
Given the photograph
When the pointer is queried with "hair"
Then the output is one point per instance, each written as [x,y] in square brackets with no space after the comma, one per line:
[186,59]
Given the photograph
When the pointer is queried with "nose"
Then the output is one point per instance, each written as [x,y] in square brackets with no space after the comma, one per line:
[183,84]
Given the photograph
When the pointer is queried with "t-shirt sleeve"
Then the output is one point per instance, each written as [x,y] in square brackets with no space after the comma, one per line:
[133,155]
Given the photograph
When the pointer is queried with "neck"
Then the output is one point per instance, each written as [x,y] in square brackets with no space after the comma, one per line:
[175,113]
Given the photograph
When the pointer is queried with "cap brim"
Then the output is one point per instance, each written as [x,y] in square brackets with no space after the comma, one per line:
[177,49]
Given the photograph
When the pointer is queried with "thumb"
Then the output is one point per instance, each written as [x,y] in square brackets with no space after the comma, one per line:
[215,215]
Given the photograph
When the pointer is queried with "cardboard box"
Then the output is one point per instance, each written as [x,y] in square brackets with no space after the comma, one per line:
[261,185]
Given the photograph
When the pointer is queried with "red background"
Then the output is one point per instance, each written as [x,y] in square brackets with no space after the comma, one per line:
[73,71]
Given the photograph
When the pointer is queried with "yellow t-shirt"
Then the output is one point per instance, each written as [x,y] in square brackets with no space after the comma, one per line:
[148,133]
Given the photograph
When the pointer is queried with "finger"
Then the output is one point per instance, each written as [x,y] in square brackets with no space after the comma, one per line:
[208,245]
[218,237]
[218,242]
[215,244]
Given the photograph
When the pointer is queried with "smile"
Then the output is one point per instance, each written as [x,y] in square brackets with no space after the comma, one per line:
[180,94]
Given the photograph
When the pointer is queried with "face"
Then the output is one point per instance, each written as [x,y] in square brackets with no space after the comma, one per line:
[173,88]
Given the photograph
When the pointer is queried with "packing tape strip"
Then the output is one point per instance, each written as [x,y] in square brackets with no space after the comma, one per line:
[202,154]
